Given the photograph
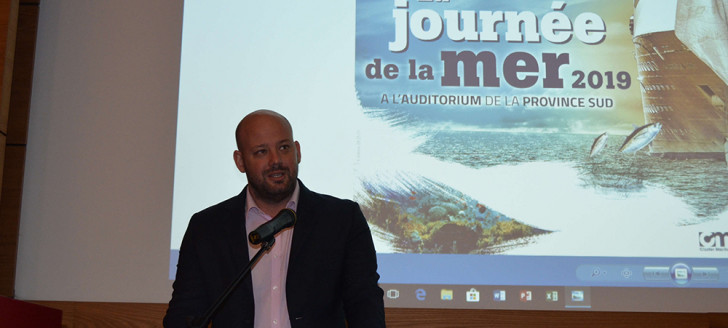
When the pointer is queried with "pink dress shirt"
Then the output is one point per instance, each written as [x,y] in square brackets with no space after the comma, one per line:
[269,274]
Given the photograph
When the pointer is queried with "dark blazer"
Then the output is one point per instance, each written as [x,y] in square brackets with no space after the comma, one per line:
[331,281]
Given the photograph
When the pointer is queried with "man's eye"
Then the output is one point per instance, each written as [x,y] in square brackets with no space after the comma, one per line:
[259,152]
[284,147]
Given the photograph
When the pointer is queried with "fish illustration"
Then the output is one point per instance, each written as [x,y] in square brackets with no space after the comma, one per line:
[599,143]
[640,137]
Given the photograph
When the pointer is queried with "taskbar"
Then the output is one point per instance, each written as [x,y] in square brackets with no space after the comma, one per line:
[551,298]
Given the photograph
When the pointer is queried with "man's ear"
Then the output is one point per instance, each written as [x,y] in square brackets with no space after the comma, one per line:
[298,151]
[239,163]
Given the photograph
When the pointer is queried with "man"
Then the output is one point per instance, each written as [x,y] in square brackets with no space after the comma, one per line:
[320,273]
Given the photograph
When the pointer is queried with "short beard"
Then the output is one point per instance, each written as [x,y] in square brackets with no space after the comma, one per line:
[273,195]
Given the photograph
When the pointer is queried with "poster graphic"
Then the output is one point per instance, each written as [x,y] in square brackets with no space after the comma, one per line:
[544,127]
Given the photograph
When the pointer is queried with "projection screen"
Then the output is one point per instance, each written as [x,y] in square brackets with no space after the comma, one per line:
[555,155]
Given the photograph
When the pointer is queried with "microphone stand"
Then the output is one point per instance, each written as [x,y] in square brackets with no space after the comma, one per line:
[265,246]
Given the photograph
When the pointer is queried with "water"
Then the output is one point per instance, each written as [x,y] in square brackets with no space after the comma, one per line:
[701,183]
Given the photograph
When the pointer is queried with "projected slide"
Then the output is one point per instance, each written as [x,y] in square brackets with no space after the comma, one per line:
[544,149]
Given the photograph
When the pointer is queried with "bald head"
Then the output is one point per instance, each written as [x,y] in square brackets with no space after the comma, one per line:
[255,120]
[269,157]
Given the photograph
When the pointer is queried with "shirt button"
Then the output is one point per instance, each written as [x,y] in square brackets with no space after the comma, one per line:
[275,322]
[275,287]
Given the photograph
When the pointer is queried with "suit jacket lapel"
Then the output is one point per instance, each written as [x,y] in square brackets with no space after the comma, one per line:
[305,222]
[236,233]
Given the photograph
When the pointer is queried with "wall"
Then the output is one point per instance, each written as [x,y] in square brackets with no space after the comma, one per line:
[97,190]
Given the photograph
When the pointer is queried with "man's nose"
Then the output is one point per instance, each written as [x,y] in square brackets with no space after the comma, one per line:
[275,157]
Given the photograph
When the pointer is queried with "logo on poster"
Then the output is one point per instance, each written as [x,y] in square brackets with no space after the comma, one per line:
[713,241]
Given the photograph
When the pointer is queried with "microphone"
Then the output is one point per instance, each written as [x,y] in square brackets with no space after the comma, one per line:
[265,232]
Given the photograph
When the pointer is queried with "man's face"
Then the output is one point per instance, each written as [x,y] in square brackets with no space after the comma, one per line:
[269,158]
